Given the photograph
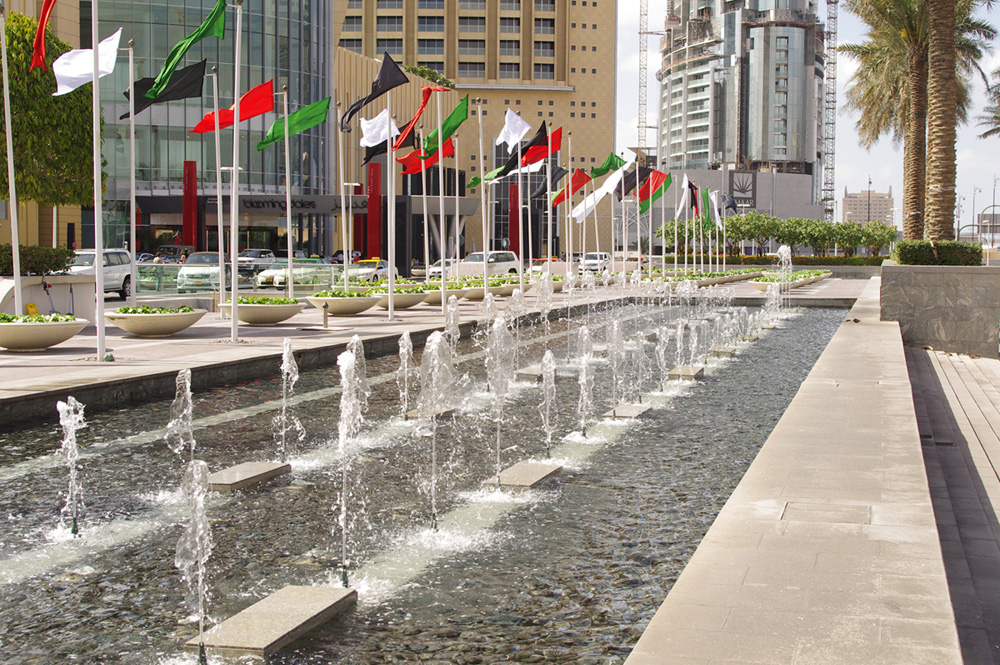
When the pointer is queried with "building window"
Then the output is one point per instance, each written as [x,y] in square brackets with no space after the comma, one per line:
[390,46]
[510,70]
[572,115]
[430,23]
[593,104]
[545,49]
[571,48]
[472,47]
[545,71]
[351,45]
[510,5]
[353,24]
[545,5]
[389,4]
[510,47]
[355,4]
[472,70]
[430,46]
[472,4]
[472,24]
[436,66]
[430,4]
[593,115]
[389,23]
[510,24]
[545,26]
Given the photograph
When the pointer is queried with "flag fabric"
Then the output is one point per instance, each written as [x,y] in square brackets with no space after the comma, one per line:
[76,67]
[377,129]
[389,76]
[631,179]
[537,153]
[539,139]
[38,46]
[693,199]
[729,203]
[383,147]
[254,102]
[303,119]
[579,179]
[184,84]
[558,173]
[425,92]
[705,206]
[589,204]
[612,163]
[685,193]
[514,129]
[214,26]
[448,127]
[656,184]
[715,208]
[416,161]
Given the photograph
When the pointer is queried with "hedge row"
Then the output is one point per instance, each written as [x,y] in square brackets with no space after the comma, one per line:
[35,259]
[752,260]
[941,253]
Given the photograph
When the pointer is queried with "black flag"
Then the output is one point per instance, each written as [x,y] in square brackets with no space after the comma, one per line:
[557,174]
[389,76]
[729,203]
[184,83]
[631,179]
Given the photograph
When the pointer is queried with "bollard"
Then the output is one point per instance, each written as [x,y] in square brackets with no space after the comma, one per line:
[326,315]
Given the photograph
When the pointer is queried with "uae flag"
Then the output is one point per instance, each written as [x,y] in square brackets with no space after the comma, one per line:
[448,127]
[536,153]
[654,187]
[425,93]
[256,101]
[389,76]
[417,160]
[303,119]
[612,163]
[214,26]
[539,139]
[383,147]
[184,84]
[633,178]
[579,179]
[38,46]
[558,173]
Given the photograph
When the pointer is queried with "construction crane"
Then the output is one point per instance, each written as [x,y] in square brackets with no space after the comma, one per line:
[830,112]
[644,31]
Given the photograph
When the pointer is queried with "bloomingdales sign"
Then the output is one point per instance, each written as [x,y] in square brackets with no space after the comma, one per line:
[316,204]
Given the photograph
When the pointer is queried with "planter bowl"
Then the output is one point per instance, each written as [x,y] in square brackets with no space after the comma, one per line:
[400,300]
[343,306]
[155,325]
[476,293]
[434,297]
[263,315]
[38,336]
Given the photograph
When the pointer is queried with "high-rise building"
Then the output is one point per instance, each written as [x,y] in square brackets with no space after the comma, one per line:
[741,86]
[866,205]
[550,60]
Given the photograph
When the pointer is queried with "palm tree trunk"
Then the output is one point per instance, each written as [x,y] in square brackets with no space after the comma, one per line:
[941,105]
[915,146]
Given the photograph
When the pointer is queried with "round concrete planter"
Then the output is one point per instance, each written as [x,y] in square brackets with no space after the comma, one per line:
[263,315]
[400,300]
[786,286]
[38,336]
[476,293]
[557,285]
[507,290]
[434,297]
[343,306]
[155,325]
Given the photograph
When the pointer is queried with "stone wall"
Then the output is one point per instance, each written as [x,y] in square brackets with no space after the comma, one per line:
[950,308]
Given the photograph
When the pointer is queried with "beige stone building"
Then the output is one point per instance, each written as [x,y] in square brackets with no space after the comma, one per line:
[549,60]
[866,205]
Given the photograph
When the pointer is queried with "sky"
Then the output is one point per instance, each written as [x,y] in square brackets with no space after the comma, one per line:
[854,164]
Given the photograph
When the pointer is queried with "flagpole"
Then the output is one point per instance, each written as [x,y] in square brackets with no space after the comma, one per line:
[454,139]
[12,195]
[569,205]
[663,240]
[442,248]
[523,223]
[649,233]
[345,207]
[221,244]
[391,175]
[597,232]
[676,205]
[288,197]
[423,198]
[548,198]
[98,193]
[234,183]
[131,156]
[621,189]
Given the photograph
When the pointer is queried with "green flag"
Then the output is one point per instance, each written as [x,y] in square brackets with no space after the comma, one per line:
[706,220]
[448,127]
[303,119]
[214,26]
[644,205]
[612,163]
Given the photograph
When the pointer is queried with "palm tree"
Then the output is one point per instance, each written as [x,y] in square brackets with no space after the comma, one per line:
[990,117]
[890,85]
[941,104]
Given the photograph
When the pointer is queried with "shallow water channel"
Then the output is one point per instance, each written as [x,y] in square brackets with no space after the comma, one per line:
[570,572]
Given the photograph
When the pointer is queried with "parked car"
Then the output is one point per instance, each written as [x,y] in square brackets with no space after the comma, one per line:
[254,255]
[117,269]
[540,266]
[435,270]
[306,271]
[296,254]
[371,270]
[175,253]
[338,256]
[145,256]
[595,262]
[497,263]
[200,272]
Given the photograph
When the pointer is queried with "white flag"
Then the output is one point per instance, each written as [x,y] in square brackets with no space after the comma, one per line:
[76,67]
[514,129]
[376,130]
[684,193]
[714,197]
[590,203]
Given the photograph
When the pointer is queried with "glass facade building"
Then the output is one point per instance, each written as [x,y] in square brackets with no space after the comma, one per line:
[284,40]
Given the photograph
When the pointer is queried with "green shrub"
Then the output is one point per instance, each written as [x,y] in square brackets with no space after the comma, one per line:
[36,260]
[940,253]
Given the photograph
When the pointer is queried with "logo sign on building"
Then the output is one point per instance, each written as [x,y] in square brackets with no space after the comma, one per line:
[743,189]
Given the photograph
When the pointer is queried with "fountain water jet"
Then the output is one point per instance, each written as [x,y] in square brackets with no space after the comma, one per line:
[499,374]
[353,385]
[195,544]
[452,321]
[285,422]
[71,419]
[403,373]
[548,397]
[180,433]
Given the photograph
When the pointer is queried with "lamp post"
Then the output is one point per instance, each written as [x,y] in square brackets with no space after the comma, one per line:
[869,216]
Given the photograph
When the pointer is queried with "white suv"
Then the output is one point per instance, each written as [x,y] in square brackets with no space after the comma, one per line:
[117,269]
[497,263]
[595,261]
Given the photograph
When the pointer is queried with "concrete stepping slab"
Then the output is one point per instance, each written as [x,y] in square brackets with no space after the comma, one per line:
[627,411]
[722,351]
[525,474]
[246,475]
[276,621]
[686,372]
[414,414]
[530,373]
